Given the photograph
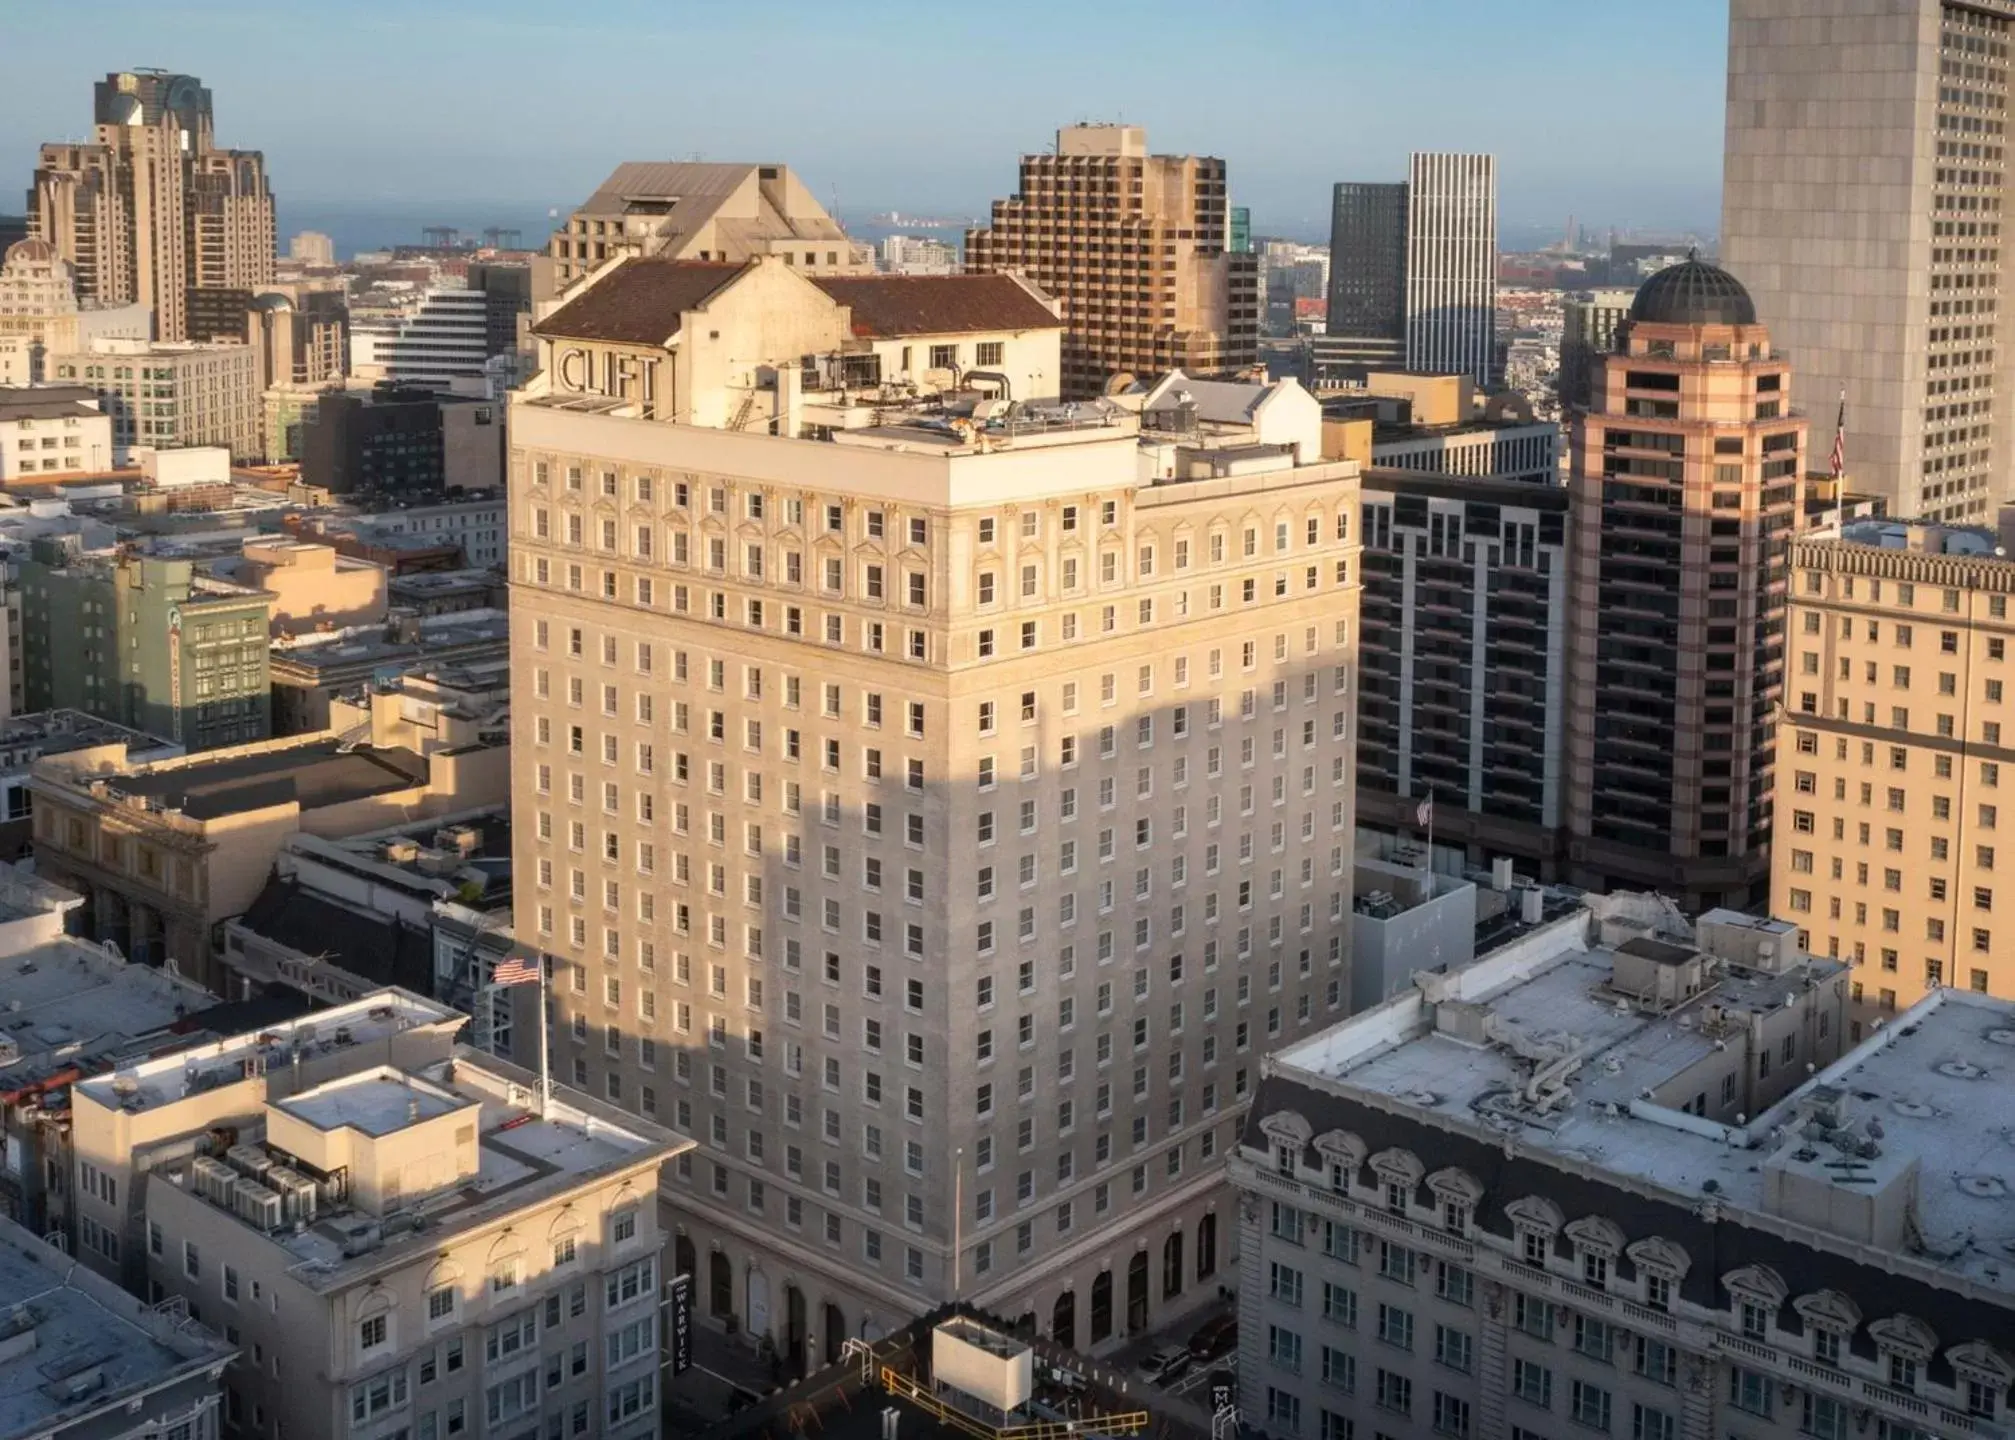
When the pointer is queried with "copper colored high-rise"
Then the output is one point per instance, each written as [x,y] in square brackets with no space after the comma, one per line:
[1687,466]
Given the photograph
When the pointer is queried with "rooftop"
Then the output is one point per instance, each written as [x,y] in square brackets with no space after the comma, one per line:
[372,646]
[47,402]
[640,302]
[317,774]
[1468,1051]
[52,732]
[72,1005]
[886,306]
[73,1343]
[520,1158]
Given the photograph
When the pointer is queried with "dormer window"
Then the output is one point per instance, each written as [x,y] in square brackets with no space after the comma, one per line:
[1455,1217]
[1395,1198]
[1339,1178]
[1657,1290]
[1983,1399]
[1902,1371]
[1595,1270]
[1284,1160]
[1754,1320]
[1534,1245]
[1826,1347]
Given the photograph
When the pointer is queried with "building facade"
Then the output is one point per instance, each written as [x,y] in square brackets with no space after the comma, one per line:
[1451,265]
[950,813]
[1136,248]
[52,430]
[146,642]
[1862,207]
[1629,1179]
[1588,329]
[150,209]
[40,313]
[1366,324]
[445,338]
[172,396]
[1687,467]
[1892,734]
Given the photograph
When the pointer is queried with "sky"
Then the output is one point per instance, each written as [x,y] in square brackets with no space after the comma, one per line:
[459,110]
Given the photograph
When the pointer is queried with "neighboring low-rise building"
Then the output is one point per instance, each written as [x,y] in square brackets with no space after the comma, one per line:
[165,852]
[449,592]
[80,1359]
[170,395]
[445,1249]
[313,587]
[310,671]
[26,738]
[50,431]
[145,642]
[1631,1176]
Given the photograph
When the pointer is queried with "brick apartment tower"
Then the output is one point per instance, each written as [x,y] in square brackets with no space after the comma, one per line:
[1136,247]
[1686,471]
[150,209]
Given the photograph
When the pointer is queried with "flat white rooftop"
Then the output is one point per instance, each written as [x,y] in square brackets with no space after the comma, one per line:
[377,1102]
[1931,1087]
[66,995]
[93,1346]
[168,1079]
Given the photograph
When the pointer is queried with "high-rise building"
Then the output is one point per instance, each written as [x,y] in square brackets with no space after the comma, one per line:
[450,1249]
[312,247]
[1587,333]
[1451,265]
[150,209]
[1463,695]
[1630,1177]
[1892,735]
[1137,248]
[937,803]
[683,210]
[444,339]
[148,643]
[1861,204]
[1687,465]
[1366,326]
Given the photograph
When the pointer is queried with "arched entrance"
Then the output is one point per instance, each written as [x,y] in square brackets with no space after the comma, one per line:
[759,1321]
[1101,1307]
[794,1330]
[685,1260]
[720,1286]
[1171,1266]
[1136,1293]
[1206,1247]
[1063,1320]
[833,1332]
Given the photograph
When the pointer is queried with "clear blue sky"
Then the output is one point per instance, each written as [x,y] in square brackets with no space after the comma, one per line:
[1609,109]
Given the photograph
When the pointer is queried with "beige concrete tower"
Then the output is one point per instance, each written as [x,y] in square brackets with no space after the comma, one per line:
[935,804]
[150,209]
[1864,180]
[1686,471]
[1894,747]
[1136,247]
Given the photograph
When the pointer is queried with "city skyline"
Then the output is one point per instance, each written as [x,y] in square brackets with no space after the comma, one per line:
[318,140]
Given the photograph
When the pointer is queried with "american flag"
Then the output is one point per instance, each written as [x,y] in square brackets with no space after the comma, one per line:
[1425,813]
[1840,439]
[518,970]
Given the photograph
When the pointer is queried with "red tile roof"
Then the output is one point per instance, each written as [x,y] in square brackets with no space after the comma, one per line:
[885,306]
[640,302]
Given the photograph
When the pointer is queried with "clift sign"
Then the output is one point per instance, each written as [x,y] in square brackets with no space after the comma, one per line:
[616,374]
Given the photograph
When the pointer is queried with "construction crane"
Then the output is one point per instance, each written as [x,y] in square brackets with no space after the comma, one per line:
[441,237]
[499,237]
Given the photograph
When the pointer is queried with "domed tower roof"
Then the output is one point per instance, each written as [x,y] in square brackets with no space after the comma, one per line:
[31,251]
[272,301]
[1693,293]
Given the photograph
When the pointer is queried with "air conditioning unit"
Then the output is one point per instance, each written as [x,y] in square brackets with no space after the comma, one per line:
[259,1205]
[298,1194]
[214,1180]
[249,1160]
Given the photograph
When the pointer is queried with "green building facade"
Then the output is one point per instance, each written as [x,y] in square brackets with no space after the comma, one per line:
[148,643]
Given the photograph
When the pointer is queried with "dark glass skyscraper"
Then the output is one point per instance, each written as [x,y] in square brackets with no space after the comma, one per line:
[1366,327]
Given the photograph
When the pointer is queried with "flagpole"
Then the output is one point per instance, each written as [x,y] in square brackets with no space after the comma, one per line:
[545,1073]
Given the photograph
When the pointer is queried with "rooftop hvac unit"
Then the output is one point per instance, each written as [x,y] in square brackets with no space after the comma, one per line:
[249,1160]
[297,1193]
[214,1179]
[259,1205]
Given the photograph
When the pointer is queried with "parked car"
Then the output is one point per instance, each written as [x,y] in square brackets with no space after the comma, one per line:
[1164,1365]
[1214,1338]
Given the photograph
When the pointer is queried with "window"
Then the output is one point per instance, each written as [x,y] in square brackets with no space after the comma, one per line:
[1590,1405]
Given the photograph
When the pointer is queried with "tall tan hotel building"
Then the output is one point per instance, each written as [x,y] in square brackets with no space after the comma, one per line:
[1864,180]
[935,804]
[1137,248]
[149,208]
